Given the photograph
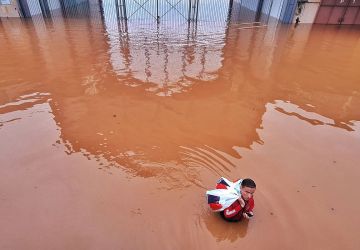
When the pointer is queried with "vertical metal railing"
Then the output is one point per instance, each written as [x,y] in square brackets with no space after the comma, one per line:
[193,10]
[231,3]
[157,11]
[146,11]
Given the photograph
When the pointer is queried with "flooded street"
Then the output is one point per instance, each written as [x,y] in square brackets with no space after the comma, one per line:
[110,134]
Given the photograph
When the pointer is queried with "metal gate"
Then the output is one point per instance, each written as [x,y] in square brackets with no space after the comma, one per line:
[150,11]
[167,10]
[192,10]
[339,12]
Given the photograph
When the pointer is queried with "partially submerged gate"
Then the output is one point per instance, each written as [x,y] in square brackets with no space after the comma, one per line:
[168,10]
[152,11]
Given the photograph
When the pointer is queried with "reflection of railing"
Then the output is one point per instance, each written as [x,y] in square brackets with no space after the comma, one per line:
[142,54]
[160,65]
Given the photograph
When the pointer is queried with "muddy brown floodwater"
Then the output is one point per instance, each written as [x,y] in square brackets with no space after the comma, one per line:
[109,139]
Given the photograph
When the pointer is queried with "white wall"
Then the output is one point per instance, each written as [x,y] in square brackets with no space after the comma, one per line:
[308,13]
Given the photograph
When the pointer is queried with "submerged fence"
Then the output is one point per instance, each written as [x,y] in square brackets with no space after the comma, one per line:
[153,10]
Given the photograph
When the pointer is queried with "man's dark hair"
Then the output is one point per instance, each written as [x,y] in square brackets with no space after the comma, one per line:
[248,183]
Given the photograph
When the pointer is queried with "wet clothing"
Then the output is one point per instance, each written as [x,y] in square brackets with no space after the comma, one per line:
[235,211]
[225,199]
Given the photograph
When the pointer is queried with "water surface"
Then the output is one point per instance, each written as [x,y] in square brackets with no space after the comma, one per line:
[110,135]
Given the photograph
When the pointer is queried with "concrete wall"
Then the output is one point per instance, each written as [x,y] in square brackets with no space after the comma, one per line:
[308,12]
[9,8]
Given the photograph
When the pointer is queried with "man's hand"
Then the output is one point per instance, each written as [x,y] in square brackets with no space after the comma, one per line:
[242,202]
[248,215]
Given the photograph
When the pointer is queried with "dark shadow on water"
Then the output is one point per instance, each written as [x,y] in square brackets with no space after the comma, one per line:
[223,230]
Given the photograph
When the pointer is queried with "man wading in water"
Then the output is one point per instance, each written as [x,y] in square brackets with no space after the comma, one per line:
[243,206]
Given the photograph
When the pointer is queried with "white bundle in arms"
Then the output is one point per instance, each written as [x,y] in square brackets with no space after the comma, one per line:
[225,194]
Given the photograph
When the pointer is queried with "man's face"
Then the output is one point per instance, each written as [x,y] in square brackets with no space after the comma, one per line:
[247,192]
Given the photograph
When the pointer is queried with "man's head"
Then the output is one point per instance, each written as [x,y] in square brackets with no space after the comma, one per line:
[248,188]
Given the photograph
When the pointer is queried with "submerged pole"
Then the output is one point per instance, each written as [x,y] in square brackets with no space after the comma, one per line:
[230,9]
[124,9]
[197,9]
[189,16]
[157,11]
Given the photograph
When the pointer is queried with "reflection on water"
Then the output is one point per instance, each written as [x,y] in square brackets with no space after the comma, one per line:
[110,90]
[182,103]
